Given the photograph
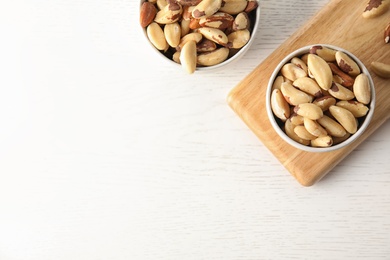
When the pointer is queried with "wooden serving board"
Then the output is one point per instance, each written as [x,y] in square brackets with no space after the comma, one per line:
[339,23]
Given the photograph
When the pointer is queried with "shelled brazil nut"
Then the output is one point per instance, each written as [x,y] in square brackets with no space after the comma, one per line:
[320,97]
[218,28]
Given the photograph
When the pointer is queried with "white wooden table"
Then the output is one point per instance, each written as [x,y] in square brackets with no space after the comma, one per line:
[107,154]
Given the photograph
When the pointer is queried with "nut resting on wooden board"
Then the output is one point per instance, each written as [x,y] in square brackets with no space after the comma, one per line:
[320,103]
[375,8]
[219,29]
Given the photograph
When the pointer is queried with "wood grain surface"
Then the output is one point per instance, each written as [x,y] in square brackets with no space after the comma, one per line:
[108,153]
[363,37]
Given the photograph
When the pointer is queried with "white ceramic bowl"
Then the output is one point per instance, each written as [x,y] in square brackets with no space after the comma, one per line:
[255,20]
[278,124]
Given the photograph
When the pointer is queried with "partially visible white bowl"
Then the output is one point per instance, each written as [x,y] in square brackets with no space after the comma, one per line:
[277,124]
[255,21]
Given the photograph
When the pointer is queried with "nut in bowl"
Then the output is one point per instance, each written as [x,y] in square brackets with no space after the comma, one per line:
[200,35]
[320,98]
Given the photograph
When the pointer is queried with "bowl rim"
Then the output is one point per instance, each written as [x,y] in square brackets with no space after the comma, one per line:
[229,61]
[284,136]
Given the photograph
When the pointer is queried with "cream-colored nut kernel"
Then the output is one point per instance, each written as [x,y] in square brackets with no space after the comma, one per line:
[289,130]
[188,57]
[233,6]
[213,57]
[241,22]
[308,85]
[169,14]
[324,52]
[185,27]
[325,102]
[161,4]
[219,20]
[362,89]
[331,126]
[345,118]
[299,63]
[296,119]
[205,45]
[347,64]
[279,105]
[214,35]
[172,34]
[346,80]
[313,127]
[340,92]
[206,8]
[320,70]
[194,36]
[176,57]
[292,72]
[322,141]
[156,36]
[308,110]
[375,8]
[381,69]
[304,58]
[357,109]
[303,133]
[188,2]
[293,95]
[278,82]
[238,39]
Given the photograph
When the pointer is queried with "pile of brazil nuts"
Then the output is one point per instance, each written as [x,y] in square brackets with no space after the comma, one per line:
[320,98]
[198,33]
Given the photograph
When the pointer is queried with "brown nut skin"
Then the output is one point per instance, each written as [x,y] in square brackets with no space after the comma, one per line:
[347,64]
[340,92]
[291,71]
[241,22]
[219,20]
[325,102]
[346,80]
[326,53]
[213,57]
[169,14]
[375,8]
[147,13]
[387,34]
[205,45]
[206,8]
[309,86]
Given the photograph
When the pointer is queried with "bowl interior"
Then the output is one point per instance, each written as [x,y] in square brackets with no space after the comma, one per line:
[277,124]
[254,17]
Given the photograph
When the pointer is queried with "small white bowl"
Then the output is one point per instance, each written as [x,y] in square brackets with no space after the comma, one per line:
[255,20]
[276,123]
